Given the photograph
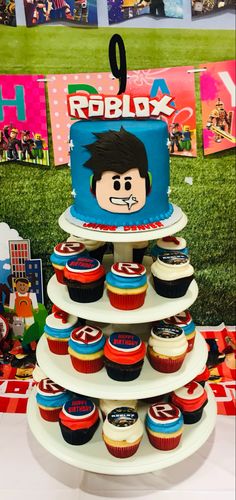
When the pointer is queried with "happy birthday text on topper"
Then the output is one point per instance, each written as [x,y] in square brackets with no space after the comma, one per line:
[84,106]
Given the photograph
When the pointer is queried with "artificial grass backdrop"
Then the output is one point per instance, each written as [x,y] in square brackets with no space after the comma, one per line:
[32,198]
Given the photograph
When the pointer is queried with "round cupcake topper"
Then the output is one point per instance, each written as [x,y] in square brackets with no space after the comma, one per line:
[163,412]
[122,417]
[173,258]
[182,318]
[86,334]
[192,390]
[83,265]
[69,248]
[167,332]
[79,408]
[47,387]
[128,269]
[124,341]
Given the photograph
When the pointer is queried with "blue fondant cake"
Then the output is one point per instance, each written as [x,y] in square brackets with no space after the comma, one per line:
[120,171]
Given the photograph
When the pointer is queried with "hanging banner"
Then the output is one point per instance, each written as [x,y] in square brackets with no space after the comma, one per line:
[7,12]
[218,96]
[23,120]
[122,10]
[79,12]
[202,7]
[182,124]
[221,361]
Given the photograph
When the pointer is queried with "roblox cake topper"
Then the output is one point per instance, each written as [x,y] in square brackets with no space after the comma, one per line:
[84,106]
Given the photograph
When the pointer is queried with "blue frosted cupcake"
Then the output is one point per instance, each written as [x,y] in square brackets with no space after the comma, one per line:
[58,328]
[184,320]
[86,349]
[164,424]
[169,244]
[50,398]
[62,253]
[127,285]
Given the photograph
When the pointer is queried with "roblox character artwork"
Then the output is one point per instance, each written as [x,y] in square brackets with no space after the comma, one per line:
[3,145]
[23,302]
[120,179]
[81,11]
[220,121]
[13,144]
[174,137]
[39,145]
[156,7]
[27,145]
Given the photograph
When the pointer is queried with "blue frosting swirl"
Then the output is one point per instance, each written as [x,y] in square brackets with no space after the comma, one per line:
[59,333]
[62,260]
[167,428]
[125,282]
[188,329]
[87,348]
[53,401]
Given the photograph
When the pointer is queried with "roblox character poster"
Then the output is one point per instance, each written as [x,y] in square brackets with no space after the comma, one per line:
[218,97]
[153,82]
[202,7]
[23,120]
[79,12]
[122,10]
[7,12]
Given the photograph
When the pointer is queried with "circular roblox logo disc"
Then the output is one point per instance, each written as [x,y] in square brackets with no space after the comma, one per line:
[128,269]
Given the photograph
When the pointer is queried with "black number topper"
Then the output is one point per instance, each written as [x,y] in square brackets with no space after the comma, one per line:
[118,72]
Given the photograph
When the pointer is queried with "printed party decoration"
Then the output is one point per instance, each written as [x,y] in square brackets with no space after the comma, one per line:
[202,7]
[23,121]
[7,12]
[153,82]
[218,96]
[122,10]
[79,12]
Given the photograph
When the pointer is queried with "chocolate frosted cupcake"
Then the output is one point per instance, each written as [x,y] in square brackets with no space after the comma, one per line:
[191,399]
[124,355]
[172,274]
[84,278]
[122,432]
[167,348]
[79,420]
[169,244]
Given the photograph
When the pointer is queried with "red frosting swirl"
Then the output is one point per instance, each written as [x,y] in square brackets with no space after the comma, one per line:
[80,423]
[124,357]
[86,277]
[189,405]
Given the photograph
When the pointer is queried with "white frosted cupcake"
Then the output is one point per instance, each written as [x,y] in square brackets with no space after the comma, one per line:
[167,348]
[169,244]
[139,248]
[107,405]
[172,274]
[96,249]
[122,432]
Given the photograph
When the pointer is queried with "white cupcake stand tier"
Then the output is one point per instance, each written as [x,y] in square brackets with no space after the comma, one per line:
[94,456]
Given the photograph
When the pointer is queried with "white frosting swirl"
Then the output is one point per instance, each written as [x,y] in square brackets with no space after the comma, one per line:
[129,434]
[90,245]
[169,272]
[108,405]
[57,323]
[167,346]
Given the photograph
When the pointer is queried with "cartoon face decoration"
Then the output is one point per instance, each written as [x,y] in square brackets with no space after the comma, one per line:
[22,286]
[121,193]
[120,179]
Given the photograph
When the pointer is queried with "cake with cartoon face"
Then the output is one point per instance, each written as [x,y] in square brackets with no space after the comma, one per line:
[120,172]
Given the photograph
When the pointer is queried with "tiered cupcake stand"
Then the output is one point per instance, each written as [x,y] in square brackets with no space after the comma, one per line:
[94,456]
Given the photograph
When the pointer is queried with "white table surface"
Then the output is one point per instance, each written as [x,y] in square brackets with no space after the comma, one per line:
[28,472]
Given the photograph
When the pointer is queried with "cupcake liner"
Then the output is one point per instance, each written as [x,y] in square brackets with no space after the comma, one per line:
[165,444]
[98,253]
[85,295]
[138,254]
[123,373]
[126,302]
[122,452]
[194,416]
[166,365]
[87,366]
[58,346]
[50,415]
[190,343]
[172,289]
[59,274]
[79,436]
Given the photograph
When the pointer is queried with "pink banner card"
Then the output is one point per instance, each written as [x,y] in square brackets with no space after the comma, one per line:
[23,120]
[218,96]
[153,82]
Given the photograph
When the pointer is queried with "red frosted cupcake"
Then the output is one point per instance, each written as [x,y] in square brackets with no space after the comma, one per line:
[122,432]
[191,399]
[86,349]
[50,398]
[127,285]
[84,278]
[124,355]
[164,424]
[62,253]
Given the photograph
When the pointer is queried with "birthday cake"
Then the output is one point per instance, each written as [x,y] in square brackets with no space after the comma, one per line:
[120,172]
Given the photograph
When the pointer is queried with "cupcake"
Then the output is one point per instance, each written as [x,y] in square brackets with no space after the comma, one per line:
[167,348]
[79,420]
[169,244]
[124,355]
[57,329]
[107,405]
[127,285]
[96,249]
[86,349]
[64,252]
[190,399]
[139,248]
[172,274]
[122,432]
[203,376]
[84,278]
[184,321]
[164,424]
[50,398]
